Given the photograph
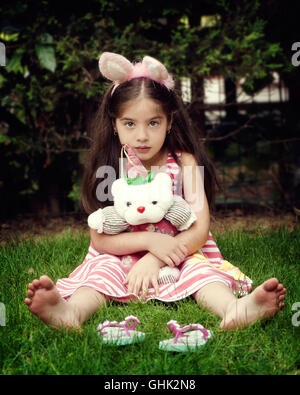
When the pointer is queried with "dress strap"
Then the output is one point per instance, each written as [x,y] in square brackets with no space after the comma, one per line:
[174,171]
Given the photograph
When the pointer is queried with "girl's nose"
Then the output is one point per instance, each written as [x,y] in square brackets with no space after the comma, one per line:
[141,209]
[142,134]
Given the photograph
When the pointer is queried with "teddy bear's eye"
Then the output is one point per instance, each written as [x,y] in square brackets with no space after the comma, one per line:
[128,204]
[154,202]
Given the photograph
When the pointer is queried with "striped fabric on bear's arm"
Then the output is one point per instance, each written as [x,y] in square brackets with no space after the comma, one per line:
[113,223]
[179,213]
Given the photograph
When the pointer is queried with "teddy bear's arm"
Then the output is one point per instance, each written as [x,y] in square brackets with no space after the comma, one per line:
[180,214]
[113,223]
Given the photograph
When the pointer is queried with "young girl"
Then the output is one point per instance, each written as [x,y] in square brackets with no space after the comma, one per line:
[142,109]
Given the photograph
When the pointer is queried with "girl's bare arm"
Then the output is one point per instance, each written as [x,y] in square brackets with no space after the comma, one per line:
[120,244]
[164,247]
[193,186]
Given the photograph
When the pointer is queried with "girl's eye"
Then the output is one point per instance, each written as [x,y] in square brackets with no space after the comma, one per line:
[129,124]
[128,204]
[154,123]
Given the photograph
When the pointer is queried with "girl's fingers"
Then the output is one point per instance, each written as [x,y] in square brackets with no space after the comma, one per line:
[137,287]
[130,284]
[176,259]
[168,261]
[155,285]
[184,249]
[137,281]
[145,287]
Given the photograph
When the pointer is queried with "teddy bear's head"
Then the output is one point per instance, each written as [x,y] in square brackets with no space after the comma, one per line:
[145,203]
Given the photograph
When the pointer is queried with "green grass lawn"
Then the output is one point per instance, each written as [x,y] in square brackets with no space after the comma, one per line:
[27,346]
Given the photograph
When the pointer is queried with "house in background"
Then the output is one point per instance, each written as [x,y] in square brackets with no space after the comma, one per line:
[225,107]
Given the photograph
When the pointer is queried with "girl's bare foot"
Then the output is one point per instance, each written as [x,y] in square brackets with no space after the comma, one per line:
[45,302]
[265,301]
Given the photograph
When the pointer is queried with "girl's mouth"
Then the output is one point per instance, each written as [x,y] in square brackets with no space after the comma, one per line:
[142,149]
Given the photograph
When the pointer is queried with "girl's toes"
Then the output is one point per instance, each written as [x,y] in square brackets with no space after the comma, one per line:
[280,301]
[46,282]
[27,301]
[36,284]
[271,285]
[30,293]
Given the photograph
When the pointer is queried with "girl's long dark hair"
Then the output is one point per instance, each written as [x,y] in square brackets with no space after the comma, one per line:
[105,146]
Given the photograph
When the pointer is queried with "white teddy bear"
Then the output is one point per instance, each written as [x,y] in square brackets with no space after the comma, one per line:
[148,202]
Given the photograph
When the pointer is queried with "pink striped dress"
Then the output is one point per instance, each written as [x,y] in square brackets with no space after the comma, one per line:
[106,273]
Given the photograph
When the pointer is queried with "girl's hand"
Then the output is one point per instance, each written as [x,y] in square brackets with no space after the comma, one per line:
[142,274]
[168,249]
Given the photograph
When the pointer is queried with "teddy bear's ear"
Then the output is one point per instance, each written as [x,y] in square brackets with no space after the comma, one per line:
[163,178]
[162,187]
[119,187]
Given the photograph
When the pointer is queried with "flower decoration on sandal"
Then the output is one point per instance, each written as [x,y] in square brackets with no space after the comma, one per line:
[185,339]
[120,333]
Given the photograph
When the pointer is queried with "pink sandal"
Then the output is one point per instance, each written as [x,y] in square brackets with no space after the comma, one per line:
[185,342]
[120,333]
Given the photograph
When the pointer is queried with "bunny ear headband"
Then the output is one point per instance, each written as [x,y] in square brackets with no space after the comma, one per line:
[118,69]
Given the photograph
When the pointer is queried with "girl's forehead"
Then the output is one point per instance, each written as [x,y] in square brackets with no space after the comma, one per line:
[141,107]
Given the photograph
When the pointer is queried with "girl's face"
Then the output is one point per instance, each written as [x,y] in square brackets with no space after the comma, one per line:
[143,125]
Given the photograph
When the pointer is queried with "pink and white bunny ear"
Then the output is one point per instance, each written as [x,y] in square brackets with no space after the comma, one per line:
[158,71]
[115,67]
[118,69]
